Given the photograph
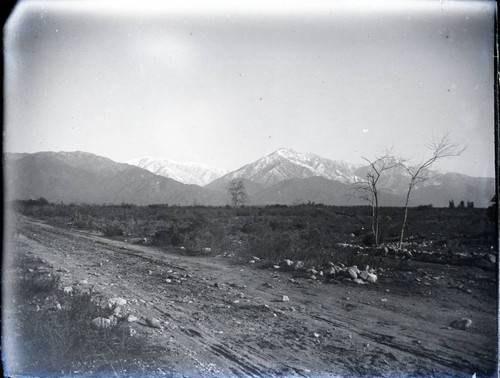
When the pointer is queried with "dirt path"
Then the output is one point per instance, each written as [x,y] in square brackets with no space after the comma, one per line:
[220,318]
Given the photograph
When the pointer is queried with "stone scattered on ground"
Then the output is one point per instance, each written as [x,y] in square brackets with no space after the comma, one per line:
[131,319]
[285,299]
[67,289]
[117,302]
[463,324]
[153,322]
[352,272]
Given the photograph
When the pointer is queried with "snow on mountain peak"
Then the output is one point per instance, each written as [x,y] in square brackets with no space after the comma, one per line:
[187,173]
[285,164]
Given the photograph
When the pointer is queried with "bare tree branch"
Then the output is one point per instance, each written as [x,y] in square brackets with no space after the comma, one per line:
[441,148]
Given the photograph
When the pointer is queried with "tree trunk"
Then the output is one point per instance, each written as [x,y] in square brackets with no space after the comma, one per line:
[375,220]
[404,219]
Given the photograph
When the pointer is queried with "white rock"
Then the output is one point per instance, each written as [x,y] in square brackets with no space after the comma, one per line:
[329,272]
[153,322]
[68,289]
[352,272]
[463,324]
[299,265]
[117,302]
[287,262]
[363,275]
[372,278]
[359,281]
[285,299]
[131,319]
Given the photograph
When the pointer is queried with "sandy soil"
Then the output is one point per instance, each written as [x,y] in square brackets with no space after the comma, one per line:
[223,318]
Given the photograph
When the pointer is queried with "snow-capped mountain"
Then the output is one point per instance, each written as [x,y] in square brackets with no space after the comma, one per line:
[286,164]
[187,173]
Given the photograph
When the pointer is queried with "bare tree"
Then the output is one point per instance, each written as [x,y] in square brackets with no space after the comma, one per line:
[440,148]
[236,190]
[369,190]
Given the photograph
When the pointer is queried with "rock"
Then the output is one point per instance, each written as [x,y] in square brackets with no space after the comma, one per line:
[131,319]
[352,273]
[299,265]
[100,323]
[312,277]
[153,322]
[206,250]
[216,284]
[316,335]
[383,300]
[285,299]
[251,262]
[150,272]
[256,258]
[372,278]
[463,324]
[492,258]
[338,269]
[312,271]
[330,264]
[356,269]
[117,302]
[117,311]
[83,282]
[132,332]
[359,281]
[276,266]
[67,289]
[363,275]
[287,263]
[168,280]
[330,272]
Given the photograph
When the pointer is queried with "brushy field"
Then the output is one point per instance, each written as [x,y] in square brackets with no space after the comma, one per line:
[54,332]
[313,233]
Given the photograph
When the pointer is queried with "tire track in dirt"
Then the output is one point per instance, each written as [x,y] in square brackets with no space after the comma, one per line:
[249,348]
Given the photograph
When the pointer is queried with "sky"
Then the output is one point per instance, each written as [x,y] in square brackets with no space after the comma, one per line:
[228,83]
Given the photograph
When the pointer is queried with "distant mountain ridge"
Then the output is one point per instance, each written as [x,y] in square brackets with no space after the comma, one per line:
[283,177]
[186,173]
[285,164]
[82,177]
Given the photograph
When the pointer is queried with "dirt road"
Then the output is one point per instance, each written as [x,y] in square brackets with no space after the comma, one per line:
[222,318]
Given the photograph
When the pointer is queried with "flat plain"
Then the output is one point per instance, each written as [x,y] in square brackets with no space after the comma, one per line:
[248,291]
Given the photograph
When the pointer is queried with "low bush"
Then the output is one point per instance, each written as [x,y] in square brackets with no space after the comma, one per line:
[54,335]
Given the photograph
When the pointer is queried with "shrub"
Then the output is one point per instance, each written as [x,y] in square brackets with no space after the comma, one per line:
[112,230]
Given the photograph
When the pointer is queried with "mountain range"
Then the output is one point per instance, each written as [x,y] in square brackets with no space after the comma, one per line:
[283,177]
[187,173]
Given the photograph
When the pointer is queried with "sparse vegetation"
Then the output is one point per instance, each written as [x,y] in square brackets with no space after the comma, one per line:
[54,328]
[312,233]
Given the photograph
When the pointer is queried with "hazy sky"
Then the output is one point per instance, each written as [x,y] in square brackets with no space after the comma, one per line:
[228,84]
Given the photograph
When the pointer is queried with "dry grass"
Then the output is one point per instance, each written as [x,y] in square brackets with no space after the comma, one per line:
[54,333]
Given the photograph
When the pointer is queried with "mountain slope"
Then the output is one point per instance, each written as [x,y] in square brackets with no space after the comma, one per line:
[288,177]
[88,178]
[286,164]
[186,173]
